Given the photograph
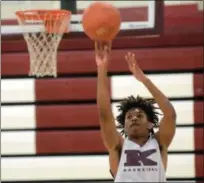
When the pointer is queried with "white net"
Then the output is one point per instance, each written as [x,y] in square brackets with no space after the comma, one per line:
[42,48]
[43,33]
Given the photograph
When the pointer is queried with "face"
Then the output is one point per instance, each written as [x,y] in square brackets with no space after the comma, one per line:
[136,123]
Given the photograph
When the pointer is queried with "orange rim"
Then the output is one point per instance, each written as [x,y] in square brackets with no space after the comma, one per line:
[52,19]
[41,14]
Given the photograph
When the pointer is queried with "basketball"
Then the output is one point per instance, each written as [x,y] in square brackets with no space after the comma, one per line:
[101,21]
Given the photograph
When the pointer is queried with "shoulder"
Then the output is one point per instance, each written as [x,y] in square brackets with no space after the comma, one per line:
[156,140]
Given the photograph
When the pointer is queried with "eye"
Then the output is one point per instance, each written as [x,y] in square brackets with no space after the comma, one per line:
[139,116]
[129,117]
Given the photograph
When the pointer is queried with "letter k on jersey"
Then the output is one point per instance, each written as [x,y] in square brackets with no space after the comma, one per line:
[138,158]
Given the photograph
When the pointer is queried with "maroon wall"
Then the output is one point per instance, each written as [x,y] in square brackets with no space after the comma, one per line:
[179,49]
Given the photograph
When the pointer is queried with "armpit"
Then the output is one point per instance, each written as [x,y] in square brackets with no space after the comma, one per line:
[111,174]
[114,160]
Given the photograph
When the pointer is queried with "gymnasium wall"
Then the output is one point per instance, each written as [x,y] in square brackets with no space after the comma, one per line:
[9,8]
[49,127]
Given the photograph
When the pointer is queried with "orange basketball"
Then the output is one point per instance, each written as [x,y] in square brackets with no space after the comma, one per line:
[101,21]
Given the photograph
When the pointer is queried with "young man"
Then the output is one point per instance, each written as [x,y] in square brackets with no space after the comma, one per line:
[142,155]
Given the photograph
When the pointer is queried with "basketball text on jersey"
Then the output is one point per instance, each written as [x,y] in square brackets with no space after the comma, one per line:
[138,160]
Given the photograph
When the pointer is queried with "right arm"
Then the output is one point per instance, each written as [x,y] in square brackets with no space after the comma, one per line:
[111,138]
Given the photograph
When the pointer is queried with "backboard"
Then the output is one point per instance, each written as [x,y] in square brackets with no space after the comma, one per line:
[139,18]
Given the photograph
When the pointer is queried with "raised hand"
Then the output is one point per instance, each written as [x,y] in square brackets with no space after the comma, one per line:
[102,51]
[134,67]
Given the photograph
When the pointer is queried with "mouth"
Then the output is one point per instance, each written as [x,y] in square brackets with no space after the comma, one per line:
[134,124]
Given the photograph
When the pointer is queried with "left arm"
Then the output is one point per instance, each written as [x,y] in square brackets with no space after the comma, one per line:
[167,127]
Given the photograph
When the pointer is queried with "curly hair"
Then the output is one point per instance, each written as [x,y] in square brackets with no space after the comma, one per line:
[147,105]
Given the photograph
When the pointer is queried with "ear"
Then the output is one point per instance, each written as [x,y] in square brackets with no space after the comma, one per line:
[150,126]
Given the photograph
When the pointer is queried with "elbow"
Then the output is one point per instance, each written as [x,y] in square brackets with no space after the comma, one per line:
[172,117]
[171,112]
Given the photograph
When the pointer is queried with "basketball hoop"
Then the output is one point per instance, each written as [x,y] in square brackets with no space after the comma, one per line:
[43,31]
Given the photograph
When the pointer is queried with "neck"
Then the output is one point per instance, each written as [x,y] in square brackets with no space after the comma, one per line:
[139,140]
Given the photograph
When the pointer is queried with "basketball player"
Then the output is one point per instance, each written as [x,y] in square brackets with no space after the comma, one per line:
[141,156]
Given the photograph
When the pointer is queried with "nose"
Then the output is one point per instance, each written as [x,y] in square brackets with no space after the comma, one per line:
[134,118]
[134,121]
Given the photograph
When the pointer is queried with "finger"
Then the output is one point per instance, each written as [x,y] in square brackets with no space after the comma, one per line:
[128,56]
[132,58]
[132,55]
[130,66]
[106,50]
[100,46]
[109,48]
[105,44]
[100,49]
[106,53]
[109,44]
[96,47]
[129,62]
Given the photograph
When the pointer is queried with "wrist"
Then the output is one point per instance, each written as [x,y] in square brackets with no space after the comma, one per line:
[102,71]
[142,78]
[145,80]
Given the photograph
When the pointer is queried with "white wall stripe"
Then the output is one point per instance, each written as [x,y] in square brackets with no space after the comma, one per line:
[183,140]
[24,117]
[24,142]
[184,110]
[18,117]
[79,167]
[17,90]
[181,166]
[14,143]
[182,181]
[173,85]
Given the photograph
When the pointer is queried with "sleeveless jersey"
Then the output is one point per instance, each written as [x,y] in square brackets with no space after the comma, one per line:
[140,164]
